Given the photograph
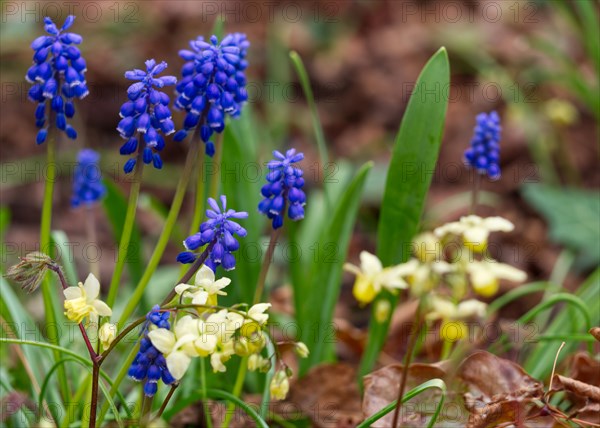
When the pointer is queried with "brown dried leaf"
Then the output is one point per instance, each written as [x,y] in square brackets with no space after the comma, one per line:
[499,391]
[595,331]
[585,369]
[381,388]
[590,413]
[496,378]
[560,383]
[329,396]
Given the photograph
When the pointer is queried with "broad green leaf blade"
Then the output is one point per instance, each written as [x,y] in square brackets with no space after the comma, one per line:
[115,206]
[409,176]
[319,303]
[573,218]
[241,179]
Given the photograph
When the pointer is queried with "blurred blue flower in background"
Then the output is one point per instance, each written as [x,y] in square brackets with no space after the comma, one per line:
[150,365]
[484,153]
[283,188]
[146,113]
[88,187]
[213,85]
[58,76]
[219,229]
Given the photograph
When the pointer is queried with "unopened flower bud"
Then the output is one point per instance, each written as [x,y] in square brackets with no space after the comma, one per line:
[301,350]
[280,385]
[30,271]
[107,334]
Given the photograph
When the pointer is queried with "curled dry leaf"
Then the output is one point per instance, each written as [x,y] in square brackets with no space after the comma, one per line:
[595,331]
[381,388]
[499,391]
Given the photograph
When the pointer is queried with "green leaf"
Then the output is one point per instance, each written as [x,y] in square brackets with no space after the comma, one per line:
[67,260]
[318,302]
[433,383]
[409,176]
[540,361]
[573,218]
[115,206]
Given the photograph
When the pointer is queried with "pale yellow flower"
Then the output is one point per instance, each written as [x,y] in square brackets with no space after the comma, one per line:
[107,334]
[257,363]
[485,275]
[427,247]
[301,350]
[280,385]
[475,230]
[205,289]
[372,277]
[453,327]
[82,301]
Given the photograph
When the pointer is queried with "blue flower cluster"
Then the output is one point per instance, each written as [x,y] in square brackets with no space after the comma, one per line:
[213,85]
[218,230]
[284,187]
[58,76]
[88,187]
[484,152]
[147,112]
[149,365]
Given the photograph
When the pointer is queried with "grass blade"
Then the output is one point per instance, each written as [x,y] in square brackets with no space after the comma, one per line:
[417,146]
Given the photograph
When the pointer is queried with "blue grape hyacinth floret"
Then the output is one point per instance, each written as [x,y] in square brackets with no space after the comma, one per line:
[150,365]
[213,85]
[283,188]
[146,113]
[88,187]
[58,76]
[219,230]
[484,153]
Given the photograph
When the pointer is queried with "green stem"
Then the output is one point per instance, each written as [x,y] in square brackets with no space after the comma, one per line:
[205,406]
[117,382]
[407,360]
[260,285]
[92,238]
[45,244]
[165,235]
[237,391]
[200,199]
[215,393]
[166,401]
[475,192]
[134,194]
[146,411]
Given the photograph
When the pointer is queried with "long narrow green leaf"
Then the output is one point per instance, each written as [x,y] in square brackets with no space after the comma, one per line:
[67,258]
[433,383]
[115,206]
[409,176]
[319,303]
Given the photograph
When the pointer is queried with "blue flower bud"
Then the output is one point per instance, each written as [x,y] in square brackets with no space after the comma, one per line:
[41,136]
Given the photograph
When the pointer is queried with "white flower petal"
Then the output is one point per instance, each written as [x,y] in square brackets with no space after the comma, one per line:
[186,325]
[349,267]
[370,264]
[204,276]
[162,339]
[199,297]
[498,224]
[178,363]
[92,287]
[72,293]
[508,272]
[471,308]
[181,288]
[102,308]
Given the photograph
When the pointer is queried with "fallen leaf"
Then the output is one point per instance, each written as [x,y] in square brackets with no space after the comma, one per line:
[595,331]
[329,396]
[381,389]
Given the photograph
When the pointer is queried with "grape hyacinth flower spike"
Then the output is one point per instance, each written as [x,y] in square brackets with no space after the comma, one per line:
[213,85]
[146,114]
[150,365]
[58,76]
[218,230]
[283,188]
[88,187]
[484,153]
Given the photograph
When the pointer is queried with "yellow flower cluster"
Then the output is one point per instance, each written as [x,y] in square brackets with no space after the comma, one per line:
[217,334]
[447,264]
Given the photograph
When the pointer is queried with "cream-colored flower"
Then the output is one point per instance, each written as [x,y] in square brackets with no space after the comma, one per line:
[107,334]
[177,345]
[428,275]
[82,301]
[280,385]
[257,313]
[301,350]
[442,308]
[485,275]
[257,363]
[475,230]
[205,289]
[372,277]
[427,247]
[223,325]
